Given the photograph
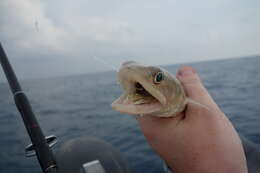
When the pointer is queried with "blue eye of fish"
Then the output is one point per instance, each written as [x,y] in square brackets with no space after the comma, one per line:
[158,77]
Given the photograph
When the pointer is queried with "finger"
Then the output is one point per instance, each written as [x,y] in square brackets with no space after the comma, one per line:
[193,87]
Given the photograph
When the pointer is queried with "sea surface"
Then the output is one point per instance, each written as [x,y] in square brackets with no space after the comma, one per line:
[76,106]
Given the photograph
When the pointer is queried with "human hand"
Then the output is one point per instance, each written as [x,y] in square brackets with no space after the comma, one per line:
[199,140]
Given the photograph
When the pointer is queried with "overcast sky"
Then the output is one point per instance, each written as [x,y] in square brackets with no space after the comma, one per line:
[45,38]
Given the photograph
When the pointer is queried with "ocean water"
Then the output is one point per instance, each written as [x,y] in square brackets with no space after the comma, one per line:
[78,106]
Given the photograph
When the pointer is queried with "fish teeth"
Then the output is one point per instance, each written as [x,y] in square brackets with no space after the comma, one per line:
[140,101]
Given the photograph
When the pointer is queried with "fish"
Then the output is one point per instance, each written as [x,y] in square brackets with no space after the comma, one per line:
[149,90]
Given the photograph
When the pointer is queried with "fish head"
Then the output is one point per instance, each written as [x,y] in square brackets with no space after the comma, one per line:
[147,90]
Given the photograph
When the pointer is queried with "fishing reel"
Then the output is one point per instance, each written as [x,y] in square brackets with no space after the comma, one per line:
[30,149]
[90,155]
[85,155]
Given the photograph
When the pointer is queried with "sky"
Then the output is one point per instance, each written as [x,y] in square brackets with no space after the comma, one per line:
[63,37]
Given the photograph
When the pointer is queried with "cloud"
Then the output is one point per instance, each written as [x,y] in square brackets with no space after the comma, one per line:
[63,36]
[37,42]
[22,32]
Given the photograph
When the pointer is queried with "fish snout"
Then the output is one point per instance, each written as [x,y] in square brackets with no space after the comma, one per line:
[127,63]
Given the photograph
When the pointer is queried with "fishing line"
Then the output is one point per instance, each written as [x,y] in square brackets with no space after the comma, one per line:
[36,26]
[105,63]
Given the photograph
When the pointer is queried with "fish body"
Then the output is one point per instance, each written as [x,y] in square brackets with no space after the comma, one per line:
[149,90]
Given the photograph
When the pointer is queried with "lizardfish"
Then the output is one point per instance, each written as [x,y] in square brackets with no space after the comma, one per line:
[149,90]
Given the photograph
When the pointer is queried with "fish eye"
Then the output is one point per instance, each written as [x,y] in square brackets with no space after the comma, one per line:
[158,77]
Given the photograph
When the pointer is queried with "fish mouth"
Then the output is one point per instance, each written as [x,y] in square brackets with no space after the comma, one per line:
[139,98]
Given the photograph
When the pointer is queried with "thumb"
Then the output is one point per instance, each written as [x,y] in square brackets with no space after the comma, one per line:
[193,87]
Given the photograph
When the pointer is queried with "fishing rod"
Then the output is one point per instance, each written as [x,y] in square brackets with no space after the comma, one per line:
[82,155]
[40,144]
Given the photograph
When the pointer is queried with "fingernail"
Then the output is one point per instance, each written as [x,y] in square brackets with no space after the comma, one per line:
[186,72]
